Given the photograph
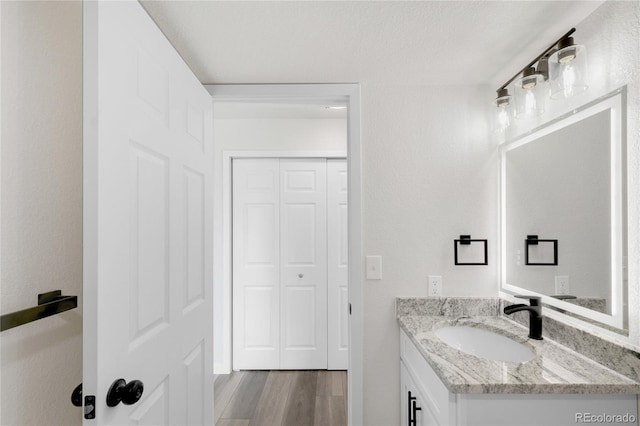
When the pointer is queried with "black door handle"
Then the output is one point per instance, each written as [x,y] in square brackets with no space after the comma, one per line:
[127,393]
[76,396]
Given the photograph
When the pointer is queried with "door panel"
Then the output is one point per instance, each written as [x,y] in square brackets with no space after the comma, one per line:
[256,258]
[299,302]
[194,371]
[260,322]
[303,264]
[299,234]
[154,409]
[147,206]
[194,202]
[337,258]
[149,223]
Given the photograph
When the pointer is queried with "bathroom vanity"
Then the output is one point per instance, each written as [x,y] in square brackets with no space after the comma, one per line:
[443,385]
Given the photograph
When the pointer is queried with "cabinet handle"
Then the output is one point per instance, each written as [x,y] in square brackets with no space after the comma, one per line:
[415,410]
[411,421]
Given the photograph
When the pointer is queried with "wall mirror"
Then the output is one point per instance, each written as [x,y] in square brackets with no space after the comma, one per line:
[565,182]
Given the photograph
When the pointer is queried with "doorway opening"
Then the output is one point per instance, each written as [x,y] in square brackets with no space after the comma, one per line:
[233,98]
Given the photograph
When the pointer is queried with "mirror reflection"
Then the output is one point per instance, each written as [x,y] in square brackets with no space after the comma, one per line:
[563,201]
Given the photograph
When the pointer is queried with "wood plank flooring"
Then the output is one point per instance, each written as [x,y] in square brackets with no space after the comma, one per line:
[281,398]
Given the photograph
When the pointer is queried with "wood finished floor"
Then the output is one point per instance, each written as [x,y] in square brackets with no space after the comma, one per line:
[275,398]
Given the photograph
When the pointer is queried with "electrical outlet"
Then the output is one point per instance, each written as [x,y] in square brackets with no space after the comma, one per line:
[435,285]
[562,284]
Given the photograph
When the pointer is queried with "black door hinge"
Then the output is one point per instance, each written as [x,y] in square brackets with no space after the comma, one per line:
[349,308]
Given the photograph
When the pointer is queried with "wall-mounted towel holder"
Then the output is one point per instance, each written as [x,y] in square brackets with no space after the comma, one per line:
[49,303]
[540,260]
[470,258]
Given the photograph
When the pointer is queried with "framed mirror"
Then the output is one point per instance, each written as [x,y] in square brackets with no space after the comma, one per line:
[565,182]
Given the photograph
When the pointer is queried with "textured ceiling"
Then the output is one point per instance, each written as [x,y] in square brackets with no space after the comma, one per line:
[413,42]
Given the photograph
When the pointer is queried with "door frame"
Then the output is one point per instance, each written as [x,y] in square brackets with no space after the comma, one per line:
[301,93]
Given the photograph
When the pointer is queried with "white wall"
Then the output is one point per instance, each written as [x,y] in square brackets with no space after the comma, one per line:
[258,134]
[41,207]
[430,173]
[282,134]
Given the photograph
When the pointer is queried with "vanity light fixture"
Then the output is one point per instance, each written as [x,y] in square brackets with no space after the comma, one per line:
[562,66]
[469,255]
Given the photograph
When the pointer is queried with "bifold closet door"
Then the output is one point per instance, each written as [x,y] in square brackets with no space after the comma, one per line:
[338,266]
[256,264]
[303,264]
[280,269]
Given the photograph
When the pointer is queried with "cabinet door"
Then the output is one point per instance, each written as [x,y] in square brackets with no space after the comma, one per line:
[303,264]
[256,264]
[413,410]
[404,395]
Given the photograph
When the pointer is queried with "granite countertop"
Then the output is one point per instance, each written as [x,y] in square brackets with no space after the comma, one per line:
[555,368]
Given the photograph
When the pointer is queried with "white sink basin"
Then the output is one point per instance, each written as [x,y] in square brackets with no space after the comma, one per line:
[484,344]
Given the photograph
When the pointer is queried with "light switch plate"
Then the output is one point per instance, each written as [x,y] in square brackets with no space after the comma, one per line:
[374,267]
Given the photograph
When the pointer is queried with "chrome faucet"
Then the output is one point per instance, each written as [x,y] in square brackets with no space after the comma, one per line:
[535,314]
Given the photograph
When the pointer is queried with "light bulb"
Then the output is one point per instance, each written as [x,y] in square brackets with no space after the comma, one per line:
[503,119]
[568,80]
[530,102]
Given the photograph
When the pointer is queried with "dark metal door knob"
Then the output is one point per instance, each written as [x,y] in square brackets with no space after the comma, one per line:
[76,396]
[127,393]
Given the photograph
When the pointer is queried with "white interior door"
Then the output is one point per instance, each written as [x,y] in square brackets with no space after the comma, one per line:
[147,222]
[256,264]
[303,264]
[337,266]
[279,264]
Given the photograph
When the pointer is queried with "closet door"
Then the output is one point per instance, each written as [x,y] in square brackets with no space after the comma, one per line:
[303,264]
[338,272]
[256,264]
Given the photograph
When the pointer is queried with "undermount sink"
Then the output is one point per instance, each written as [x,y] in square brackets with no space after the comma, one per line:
[484,344]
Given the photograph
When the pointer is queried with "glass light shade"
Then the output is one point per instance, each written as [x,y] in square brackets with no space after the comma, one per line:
[504,112]
[568,72]
[530,96]
[503,118]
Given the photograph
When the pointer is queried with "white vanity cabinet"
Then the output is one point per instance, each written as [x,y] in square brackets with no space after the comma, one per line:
[435,405]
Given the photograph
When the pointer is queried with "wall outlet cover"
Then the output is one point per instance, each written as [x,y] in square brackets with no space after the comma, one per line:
[435,285]
[562,284]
